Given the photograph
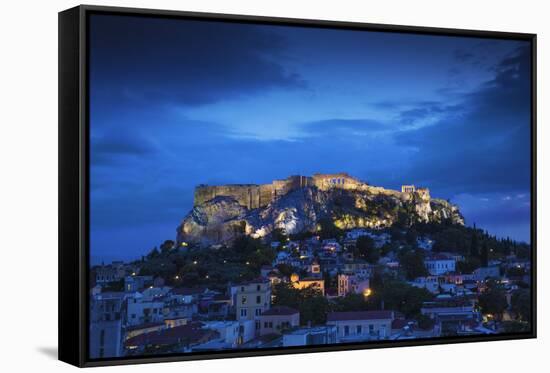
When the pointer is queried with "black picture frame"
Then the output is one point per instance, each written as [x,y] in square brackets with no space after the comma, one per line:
[74,175]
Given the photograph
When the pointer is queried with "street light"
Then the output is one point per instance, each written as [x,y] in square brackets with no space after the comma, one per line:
[367,292]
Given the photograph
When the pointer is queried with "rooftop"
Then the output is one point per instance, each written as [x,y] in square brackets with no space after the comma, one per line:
[280,311]
[190,333]
[188,291]
[360,315]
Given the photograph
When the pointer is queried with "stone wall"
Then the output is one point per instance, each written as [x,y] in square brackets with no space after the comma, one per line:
[248,195]
[255,196]
[252,195]
[339,180]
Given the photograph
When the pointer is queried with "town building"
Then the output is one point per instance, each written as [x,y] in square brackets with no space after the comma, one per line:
[232,333]
[430,283]
[483,273]
[109,273]
[277,319]
[450,318]
[439,264]
[135,283]
[361,325]
[178,339]
[303,283]
[141,310]
[317,335]
[352,284]
[135,330]
[251,299]
[106,320]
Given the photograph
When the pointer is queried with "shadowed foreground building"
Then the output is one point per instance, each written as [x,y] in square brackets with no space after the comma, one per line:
[107,312]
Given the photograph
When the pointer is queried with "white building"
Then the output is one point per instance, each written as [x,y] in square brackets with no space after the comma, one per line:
[361,325]
[439,265]
[430,283]
[310,336]
[140,310]
[233,333]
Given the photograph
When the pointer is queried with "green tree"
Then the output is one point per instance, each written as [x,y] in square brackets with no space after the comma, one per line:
[425,322]
[366,248]
[474,244]
[351,302]
[412,264]
[166,246]
[153,253]
[469,265]
[285,269]
[484,255]
[399,296]
[411,237]
[327,229]
[313,306]
[493,300]
[252,252]
[284,294]
[521,304]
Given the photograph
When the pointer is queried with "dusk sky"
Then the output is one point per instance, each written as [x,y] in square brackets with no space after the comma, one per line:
[178,103]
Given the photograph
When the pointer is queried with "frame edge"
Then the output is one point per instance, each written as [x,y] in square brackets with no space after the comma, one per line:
[69,133]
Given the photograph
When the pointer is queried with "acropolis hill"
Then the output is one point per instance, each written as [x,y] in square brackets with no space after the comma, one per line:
[260,195]
[297,203]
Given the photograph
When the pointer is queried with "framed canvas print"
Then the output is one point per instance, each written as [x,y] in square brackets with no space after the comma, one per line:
[235,186]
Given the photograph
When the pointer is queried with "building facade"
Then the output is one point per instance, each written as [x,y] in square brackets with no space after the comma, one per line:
[252,299]
[361,325]
[278,319]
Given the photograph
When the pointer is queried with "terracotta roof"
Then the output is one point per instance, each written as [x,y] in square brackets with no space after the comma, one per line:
[187,291]
[187,334]
[280,311]
[144,326]
[359,315]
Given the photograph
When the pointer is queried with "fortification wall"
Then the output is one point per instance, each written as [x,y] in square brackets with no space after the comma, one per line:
[340,180]
[255,196]
[246,195]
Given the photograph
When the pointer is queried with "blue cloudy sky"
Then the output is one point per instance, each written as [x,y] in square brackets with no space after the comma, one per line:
[177,103]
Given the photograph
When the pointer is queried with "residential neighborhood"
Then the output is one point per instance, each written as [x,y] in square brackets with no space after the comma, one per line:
[359,286]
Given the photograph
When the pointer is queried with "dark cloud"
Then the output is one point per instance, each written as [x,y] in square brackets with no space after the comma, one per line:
[189,63]
[500,213]
[108,149]
[486,148]
[149,150]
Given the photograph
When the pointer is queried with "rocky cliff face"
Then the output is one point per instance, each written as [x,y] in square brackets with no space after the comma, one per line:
[221,219]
